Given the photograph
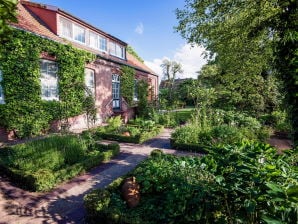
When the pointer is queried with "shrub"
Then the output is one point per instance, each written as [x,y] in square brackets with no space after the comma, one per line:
[249,184]
[39,165]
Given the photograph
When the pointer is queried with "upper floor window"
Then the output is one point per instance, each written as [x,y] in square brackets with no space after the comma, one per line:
[78,33]
[1,90]
[71,30]
[97,41]
[90,80]
[117,50]
[49,80]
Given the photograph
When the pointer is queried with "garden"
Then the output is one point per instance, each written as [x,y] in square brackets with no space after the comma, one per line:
[39,165]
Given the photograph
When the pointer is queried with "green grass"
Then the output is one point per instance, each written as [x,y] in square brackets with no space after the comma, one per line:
[39,165]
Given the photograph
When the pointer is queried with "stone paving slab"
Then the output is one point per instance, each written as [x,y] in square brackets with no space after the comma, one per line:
[65,203]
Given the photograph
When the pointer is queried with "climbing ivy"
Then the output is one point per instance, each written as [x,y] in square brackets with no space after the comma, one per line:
[143,109]
[24,111]
[127,83]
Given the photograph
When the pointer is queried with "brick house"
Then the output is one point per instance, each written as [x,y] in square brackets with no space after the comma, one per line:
[102,76]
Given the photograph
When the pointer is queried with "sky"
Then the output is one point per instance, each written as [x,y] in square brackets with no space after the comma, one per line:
[148,26]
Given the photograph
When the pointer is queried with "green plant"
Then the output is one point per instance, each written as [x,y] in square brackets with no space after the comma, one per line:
[39,165]
[127,83]
[114,123]
[24,111]
[249,184]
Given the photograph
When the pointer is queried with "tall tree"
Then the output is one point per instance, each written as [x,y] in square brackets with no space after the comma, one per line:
[248,36]
[7,14]
[170,71]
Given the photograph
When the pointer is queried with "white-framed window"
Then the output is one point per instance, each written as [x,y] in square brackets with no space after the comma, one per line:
[66,28]
[117,50]
[49,80]
[93,40]
[135,90]
[116,91]
[70,30]
[103,44]
[90,80]
[98,42]
[1,89]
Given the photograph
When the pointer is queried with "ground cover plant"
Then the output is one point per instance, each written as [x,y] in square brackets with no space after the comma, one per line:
[136,131]
[210,127]
[249,184]
[41,164]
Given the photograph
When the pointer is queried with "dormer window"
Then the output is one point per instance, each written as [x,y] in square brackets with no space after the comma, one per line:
[117,50]
[72,31]
[98,42]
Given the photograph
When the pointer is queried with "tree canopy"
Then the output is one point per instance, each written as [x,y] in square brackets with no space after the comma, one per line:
[252,37]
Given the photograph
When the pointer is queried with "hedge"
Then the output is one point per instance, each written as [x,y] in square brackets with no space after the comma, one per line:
[188,147]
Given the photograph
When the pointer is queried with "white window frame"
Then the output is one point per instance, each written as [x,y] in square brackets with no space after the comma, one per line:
[2,101]
[116,91]
[117,50]
[98,42]
[82,37]
[73,28]
[49,82]
[90,80]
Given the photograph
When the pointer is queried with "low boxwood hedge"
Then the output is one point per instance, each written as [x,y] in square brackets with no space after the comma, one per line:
[33,167]
[137,139]
[190,147]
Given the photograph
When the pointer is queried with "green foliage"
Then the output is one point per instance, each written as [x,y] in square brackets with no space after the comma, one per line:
[114,123]
[39,165]
[7,14]
[24,111]
[127,83]
[249,184]
[143,107]
[130,50]
[245,37]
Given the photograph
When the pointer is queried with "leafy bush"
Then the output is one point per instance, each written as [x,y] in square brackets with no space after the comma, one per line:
[249,184]
[39,165]
[114,123]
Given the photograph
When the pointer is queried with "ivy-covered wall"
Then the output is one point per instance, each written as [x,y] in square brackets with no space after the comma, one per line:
[24,111]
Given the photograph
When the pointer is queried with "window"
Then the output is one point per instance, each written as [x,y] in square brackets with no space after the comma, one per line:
[49,80]
[90,80]
[97,42]
[116,50]
[116,91]
[135,90]
[93,40]
[1,89]
[78,33]
[102,43]
[72,31]
[66,28]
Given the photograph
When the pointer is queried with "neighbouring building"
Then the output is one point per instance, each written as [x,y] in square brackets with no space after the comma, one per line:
[102,75]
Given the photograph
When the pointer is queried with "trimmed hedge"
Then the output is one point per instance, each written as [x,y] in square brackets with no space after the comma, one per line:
[36,178]
[137,139]
[190,147]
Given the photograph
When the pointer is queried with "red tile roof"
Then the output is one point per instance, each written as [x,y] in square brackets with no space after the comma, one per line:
[30,22]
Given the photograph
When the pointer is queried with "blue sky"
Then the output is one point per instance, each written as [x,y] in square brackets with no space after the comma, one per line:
[145,25]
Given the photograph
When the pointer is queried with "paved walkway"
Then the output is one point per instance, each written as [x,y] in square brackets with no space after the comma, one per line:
[65,203]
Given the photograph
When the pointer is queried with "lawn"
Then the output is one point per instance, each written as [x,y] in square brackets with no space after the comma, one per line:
[40,165]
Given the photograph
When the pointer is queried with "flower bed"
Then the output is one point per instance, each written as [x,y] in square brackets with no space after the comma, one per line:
[42,164]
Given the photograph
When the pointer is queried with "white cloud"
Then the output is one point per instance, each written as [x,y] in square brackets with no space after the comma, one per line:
[139,29]
[189,57]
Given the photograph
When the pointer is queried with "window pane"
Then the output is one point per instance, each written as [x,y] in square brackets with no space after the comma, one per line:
[49,80]
[66,28]
[93,40]
[103,43]
[90,80]
[79,33]
[113,48]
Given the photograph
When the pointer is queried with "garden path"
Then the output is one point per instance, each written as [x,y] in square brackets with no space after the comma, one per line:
[65,203]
